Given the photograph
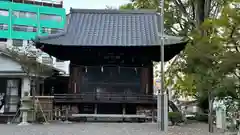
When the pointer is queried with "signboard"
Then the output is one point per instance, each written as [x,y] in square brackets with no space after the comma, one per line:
[156,85]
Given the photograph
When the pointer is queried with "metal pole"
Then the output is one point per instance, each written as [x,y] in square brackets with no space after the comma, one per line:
[162,106]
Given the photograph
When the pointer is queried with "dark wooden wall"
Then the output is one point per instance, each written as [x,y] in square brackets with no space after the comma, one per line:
[147,79]
[75,78]
[110,79]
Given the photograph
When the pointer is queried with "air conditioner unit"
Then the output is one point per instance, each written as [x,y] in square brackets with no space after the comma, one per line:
[47,60]
[32,58]
[21,53]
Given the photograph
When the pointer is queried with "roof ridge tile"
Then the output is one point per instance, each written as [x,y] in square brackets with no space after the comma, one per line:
[113,11]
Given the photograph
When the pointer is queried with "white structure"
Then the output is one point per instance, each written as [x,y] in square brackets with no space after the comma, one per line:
[221,117]
[14,82]
[45,58]
[63,65]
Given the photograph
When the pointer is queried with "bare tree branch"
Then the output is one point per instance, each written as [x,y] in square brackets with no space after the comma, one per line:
[193,9]
[180,5]
[207,8]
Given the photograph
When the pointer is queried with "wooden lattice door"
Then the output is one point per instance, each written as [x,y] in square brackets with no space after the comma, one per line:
[12,96]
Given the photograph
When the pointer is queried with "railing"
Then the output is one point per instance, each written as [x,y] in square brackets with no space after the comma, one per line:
[58,2]
[50,1]
[104,97]
[45,104]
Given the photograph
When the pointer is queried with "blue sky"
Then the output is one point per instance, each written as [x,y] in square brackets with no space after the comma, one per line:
[93,4]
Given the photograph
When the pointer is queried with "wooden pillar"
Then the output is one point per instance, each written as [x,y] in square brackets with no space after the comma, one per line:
[43,89]
[74,82]
[150,80]
[143,79]
[95,108]
[124,109]
[70,78]
[79,77]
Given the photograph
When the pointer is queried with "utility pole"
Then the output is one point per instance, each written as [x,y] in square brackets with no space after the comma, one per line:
[162,100]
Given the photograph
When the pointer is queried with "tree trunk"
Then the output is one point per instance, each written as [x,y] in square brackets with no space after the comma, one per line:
[37,91]
[202,12]
[210,117]
[33,96]
[200,8]
[167,90]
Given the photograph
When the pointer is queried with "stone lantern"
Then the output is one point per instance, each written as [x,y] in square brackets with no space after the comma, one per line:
[26,106]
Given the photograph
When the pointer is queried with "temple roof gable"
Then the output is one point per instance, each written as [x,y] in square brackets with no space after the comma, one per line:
[96,27]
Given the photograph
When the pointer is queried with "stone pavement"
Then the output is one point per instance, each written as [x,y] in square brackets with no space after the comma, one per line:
[102,129]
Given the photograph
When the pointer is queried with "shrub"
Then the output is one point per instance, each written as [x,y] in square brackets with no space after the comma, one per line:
[175,117]
[191,118]
[202,117]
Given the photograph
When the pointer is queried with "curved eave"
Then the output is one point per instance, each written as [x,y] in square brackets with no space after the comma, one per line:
[42,39]
[169,51]
[63,52]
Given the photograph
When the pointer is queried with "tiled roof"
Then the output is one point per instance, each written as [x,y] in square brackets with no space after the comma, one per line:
[89,27]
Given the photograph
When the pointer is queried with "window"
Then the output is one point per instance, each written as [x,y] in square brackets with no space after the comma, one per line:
[31,29]
[46,30]
[54,30]
[3,39]
[17,42]
[24,28]
[4,12]
[51,30]
[23,14]
[30,42]
[3,27]
[50,17]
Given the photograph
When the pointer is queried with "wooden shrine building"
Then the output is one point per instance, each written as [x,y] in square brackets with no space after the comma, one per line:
[111,54]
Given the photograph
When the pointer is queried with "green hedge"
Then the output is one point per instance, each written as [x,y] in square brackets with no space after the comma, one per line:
[175,117]
[202,117]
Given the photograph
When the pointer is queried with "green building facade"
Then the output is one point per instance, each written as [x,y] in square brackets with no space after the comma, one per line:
[19,21]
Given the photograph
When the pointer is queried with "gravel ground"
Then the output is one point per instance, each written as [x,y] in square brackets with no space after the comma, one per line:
[102,129]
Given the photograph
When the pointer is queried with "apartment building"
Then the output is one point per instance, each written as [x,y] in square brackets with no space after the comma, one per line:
[22,20]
